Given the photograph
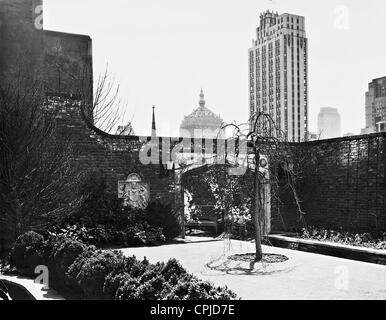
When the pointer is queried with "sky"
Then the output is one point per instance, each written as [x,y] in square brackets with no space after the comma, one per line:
[162,52]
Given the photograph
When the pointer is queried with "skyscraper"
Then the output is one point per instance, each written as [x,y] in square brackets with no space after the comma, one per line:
[329,125]
[376,106]
[278,81]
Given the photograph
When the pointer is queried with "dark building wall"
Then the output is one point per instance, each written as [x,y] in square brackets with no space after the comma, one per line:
[21,39]
[68,63]
[341,183]
[63,60]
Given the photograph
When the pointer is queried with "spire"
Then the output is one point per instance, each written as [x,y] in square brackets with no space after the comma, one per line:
[153,127]
[202,100]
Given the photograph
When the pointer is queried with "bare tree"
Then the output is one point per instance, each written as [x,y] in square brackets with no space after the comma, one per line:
[37,178]
[106,109]
[265,139]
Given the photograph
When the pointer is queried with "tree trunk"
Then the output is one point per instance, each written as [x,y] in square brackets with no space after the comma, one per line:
[256,215]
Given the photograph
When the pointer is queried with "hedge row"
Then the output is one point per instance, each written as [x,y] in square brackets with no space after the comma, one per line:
[107,236]
[79,271]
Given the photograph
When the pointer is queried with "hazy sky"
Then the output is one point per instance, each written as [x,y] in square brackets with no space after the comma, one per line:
[163,52]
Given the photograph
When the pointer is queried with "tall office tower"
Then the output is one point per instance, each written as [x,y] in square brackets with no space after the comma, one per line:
[278,80]
[329,123]
[376,106]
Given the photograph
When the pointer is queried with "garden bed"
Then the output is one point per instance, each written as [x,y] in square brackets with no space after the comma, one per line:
[245,264]
[329,248]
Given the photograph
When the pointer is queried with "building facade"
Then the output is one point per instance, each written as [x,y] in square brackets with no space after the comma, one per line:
[376,106]
[278,73]
[202,123]
[329,123]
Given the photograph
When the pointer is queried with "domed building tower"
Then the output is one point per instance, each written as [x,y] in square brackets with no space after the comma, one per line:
[202,123]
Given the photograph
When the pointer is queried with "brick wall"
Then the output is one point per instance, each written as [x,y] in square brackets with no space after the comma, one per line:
[114,157]
[341,183]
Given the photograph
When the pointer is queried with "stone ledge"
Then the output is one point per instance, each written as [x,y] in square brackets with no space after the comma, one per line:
[330,249]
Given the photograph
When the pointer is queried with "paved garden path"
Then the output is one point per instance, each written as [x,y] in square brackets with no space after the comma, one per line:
[303,276]
[35,289]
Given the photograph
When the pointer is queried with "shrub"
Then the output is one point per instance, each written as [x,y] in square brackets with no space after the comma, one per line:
[76,267]
[103,221]
[65,251]
[82,271]
[151,289]
[173,268]
[135,236]
[112,283]
[159,214]
[115,238]
[128,288]
[359,240]
[138,268]
[116,278]
[241,227]
[26,253]
[151,271]
[154,236]
[93,271]
[132,236]
[191,288]
[99,205]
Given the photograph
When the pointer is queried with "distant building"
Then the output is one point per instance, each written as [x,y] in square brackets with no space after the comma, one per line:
[126,130]
[349,134]
[153,125]
[312,136]
[329,123]
[278,73]
[202,123]
[376,106]
[381,126]
[367,131]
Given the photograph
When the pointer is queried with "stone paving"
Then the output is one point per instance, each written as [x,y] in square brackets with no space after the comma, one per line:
[36,289]
[304,276]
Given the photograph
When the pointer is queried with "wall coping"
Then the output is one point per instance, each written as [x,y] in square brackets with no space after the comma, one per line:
[66,34]
[342,139]
[104,134]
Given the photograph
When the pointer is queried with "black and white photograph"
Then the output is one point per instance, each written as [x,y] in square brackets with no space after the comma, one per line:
[188,157]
